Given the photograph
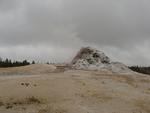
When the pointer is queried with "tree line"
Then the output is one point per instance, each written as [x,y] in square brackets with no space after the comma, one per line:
[141,69]
[9,63]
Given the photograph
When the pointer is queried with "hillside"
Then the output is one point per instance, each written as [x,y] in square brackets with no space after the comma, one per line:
[28,70]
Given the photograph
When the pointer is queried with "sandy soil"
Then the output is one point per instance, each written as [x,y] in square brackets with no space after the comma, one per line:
[74,92]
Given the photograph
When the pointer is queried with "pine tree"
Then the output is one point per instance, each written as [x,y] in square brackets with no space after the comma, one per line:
[33,62]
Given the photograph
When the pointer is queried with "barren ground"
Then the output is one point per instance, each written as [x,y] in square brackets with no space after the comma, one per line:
[45,91]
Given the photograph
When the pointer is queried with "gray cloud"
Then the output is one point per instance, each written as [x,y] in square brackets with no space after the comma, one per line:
[111,22]
[120,28]
[6,5]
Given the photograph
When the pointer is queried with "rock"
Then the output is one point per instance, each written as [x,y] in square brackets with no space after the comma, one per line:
[91,59]
[91,56]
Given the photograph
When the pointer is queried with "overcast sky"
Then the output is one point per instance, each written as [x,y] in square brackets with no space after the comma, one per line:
[54,30]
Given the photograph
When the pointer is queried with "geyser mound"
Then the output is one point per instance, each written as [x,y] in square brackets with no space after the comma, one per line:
[92,59]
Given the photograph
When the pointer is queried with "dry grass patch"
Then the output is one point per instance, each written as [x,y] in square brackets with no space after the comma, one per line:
[1,103]
[94,95]
[145,80]
[144,105]
[33,100]
[29,100]
[125,79]
[101,97]
[52,109]
[26,101]
[147,91]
